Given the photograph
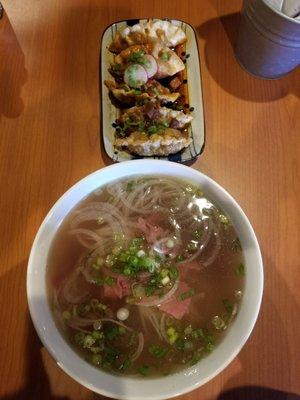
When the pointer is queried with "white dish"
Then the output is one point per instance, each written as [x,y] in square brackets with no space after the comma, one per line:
[138,388]
[109,113]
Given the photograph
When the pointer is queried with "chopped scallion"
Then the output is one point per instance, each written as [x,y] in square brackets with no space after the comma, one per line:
[236,245]
[125,364]
[157,351]
[228,306]
[173,335]
[218,323]
[240,270]
[96,359]
[143,370]
[186,295]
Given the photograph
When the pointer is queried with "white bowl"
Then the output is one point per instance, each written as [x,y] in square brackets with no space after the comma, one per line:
[137,388]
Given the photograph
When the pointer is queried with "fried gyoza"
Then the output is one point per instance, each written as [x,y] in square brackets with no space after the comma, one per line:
[168,33]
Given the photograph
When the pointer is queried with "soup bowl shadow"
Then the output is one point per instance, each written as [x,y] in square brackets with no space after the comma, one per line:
[134,388]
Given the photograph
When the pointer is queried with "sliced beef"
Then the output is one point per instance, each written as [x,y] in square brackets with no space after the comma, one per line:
[175,124]
[175,83]
[176,307]
[151,111]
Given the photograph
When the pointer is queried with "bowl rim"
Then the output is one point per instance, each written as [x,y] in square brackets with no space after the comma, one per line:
[166,387]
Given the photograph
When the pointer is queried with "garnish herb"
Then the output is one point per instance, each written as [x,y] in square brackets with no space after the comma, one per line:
[108,280]
[130,186]
[125,364]
[114,332]
[179,344]
[157,351]
[198,233]
[192,246]
[144,370]
[218,323]
[136,56]
[66,315]
[96,359]
[224,220]
[228,306]
[240,270]
[165,56]
[110,354]
[172,334]
[186,295]
[152,129]
[132,339]
[173,272]
[236,245]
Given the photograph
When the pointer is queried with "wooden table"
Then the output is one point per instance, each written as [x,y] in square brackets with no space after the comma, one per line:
[49,139]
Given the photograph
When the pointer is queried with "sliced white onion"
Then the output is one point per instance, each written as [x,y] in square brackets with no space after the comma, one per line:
[214,254]
[156,301]
[117,323]
[71,290]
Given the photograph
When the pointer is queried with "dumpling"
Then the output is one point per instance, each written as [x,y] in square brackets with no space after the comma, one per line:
[152,130]
[169,142]
[169,33]
[168,62]
[154,112]
[152,90]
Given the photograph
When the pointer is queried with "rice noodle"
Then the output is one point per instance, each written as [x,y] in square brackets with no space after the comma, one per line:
[70,286]
[111,220]
[142,199]
[209,228]
[87,274]
[96,210]
[84,215]
[80,321]
[146,197]
[85,268]
[158,300]
[142,316]
[191,258]
[233,314]
[162,326]
[114,321]
[202,245]
[130,205]
[84,235]
[55,299]
[214,253]
[152,317]
[77,328]
[57,307]
[139,349]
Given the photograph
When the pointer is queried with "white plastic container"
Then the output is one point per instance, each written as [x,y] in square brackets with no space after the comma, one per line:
[268,43]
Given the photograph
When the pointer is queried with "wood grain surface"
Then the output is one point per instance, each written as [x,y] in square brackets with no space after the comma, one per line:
[49,139]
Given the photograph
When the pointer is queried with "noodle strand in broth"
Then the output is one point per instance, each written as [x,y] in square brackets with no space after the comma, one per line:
[143,276]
